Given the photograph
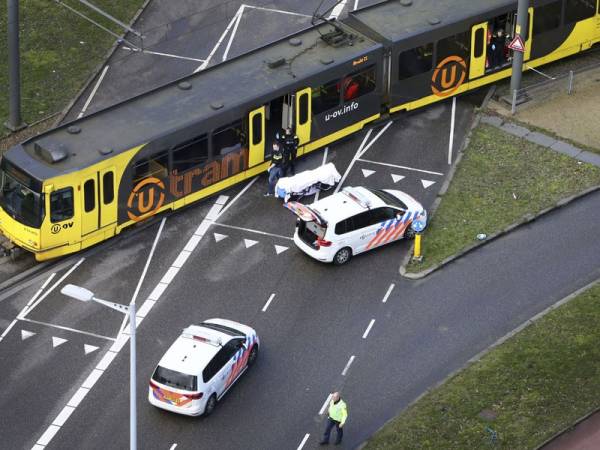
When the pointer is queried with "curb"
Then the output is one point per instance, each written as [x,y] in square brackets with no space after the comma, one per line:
[527,218]
[497,343]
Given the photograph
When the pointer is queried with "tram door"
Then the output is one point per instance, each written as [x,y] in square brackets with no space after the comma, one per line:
[98,205]
[256,141]
[303,116]
[478,50]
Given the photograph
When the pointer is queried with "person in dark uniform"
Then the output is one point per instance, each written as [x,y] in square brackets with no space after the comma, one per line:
[276,170]
[290,149]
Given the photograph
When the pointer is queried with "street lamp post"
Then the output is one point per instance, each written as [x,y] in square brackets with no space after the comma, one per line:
[85,295]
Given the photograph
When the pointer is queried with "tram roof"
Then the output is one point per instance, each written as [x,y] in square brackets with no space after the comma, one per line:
[241,82]
[393,22]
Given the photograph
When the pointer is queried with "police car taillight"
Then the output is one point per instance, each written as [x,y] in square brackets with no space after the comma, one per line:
[323,243]
[196,396]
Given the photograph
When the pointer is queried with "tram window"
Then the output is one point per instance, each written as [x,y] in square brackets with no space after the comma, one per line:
[325,97]
[479,35]
[415,61]
[359,84]
[303,109]
[190,154]
[457,45]
[227,139]
[89,196]
[61,205]
[547,17]
[108,187]
[576,10]
[257,121]
[155,166]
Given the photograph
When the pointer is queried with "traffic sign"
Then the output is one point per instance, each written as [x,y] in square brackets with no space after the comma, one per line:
[418,226]
[517,44]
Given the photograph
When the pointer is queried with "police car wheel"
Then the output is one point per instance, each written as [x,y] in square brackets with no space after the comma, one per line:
[342,256]
[409,233]
[252,356]
[211,404]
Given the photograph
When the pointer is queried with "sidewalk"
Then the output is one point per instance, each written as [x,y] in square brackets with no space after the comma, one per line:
[584,436]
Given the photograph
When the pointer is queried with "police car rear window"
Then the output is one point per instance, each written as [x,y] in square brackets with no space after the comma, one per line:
[222,328]
[175,379]
[389,198]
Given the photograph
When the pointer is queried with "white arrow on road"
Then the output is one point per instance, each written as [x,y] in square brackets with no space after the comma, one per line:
[219,237]
[397,178]
[89,348]
[56,341]
[280,249]
[367,173]
[427,183]
[26,334]
[249,243]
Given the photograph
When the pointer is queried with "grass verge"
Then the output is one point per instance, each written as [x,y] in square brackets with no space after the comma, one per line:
[500,179]
[537,383]
[58,52]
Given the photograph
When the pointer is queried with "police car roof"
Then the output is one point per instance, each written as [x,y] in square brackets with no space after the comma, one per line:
[349,202]
[193,350]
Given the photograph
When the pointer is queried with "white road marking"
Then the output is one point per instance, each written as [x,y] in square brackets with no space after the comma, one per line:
[355,5]
[366,333]
[250,230]
[324,407]
[306,436]
[354,159]
[76,399]
[158,291]
[63,416]
[348,364]
[260,8]
[235,198]
[451,142]
[182,258]
[168,55]
[34,298]
[60,327]
[367,173]
[370,144]
[249,243]
[173,447]
[48,435]
[24,313]
[26,334]
[56,341]
[268,302]
[337,10]
[233,32]
[397,178]
[92,378]
[400,167]
[280,249]
[89,348]
[219,237]
[427,183]
[387,294]
[89,100]
[220,41]
[323,163]
[170,275]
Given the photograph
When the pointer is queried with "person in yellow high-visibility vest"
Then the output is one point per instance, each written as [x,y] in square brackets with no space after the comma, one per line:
[337,415]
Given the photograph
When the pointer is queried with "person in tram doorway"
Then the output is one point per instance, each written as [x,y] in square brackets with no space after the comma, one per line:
[290,149]
[337,415]
[276,169]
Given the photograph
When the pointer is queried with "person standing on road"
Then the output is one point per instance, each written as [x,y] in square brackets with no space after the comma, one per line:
[276,169]
[337,415]
[290,148]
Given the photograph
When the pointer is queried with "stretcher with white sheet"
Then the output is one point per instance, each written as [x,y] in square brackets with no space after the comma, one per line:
[308,182]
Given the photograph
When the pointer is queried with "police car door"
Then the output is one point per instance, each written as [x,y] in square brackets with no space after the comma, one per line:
[381,229]
[227,374]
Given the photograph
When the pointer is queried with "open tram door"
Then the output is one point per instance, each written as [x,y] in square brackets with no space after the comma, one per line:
[97,201]
[256,138]
[303,114]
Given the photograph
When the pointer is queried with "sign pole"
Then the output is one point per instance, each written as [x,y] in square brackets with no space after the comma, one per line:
[520,33]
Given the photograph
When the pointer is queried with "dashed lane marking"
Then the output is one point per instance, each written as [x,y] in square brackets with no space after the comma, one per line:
[366,333]
[173,447]
[400,167]
[324,407]
[306,436]
[347,367]
[389,291]
[268,302]
[397,178]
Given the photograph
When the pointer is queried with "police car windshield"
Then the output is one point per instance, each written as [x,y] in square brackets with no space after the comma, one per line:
[175,379]
[222,329]
[389,198]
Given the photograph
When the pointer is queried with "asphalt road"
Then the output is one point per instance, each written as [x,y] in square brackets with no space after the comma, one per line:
[314,325]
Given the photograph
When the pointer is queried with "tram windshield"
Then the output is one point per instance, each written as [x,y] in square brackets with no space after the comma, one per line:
[18,200]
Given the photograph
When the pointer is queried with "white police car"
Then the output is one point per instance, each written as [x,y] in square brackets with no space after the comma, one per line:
[201,366]
[355,220]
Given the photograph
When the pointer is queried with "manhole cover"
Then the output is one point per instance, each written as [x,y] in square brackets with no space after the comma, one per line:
[488,414]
